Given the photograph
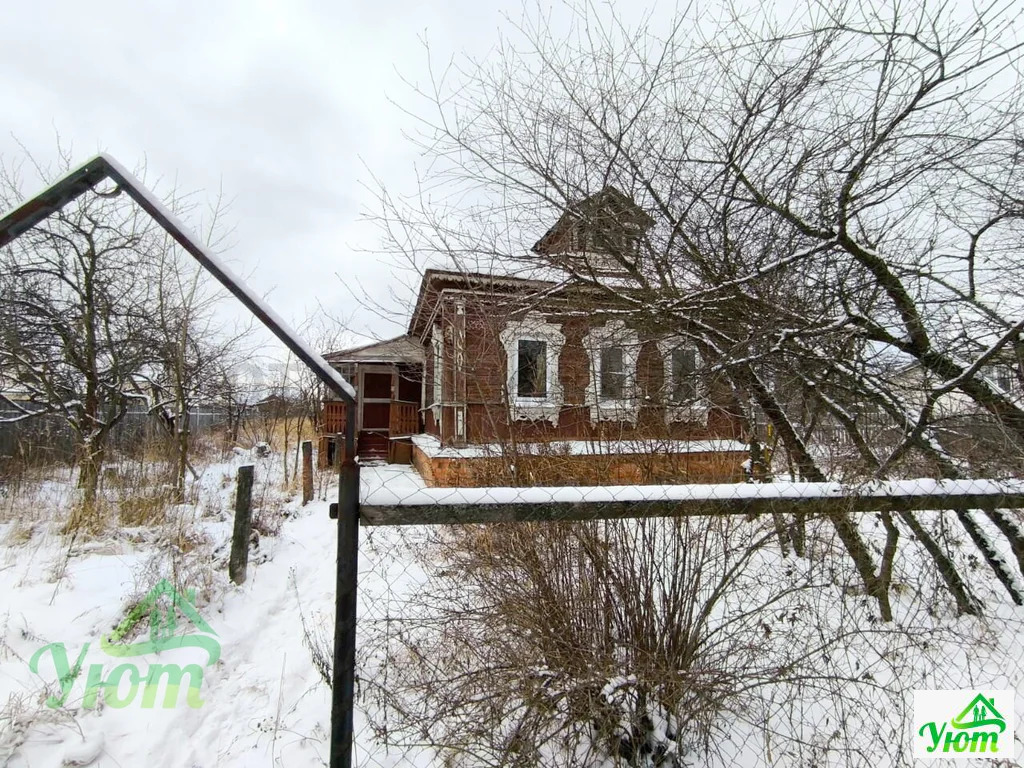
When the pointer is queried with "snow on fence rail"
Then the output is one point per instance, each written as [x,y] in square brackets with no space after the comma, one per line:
[395,504]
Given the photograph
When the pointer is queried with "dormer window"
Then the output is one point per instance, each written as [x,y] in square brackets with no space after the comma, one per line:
[1005,378]
[600,234]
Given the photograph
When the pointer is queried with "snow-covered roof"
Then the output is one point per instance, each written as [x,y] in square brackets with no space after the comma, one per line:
[435,280]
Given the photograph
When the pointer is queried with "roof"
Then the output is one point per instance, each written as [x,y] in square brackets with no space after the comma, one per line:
[609,206]
[436,280]
[401,349]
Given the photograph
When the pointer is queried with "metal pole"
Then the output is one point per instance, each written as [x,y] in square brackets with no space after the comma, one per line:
[343,686]
[79,181]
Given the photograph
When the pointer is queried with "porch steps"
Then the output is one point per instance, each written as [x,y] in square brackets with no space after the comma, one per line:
[372,446]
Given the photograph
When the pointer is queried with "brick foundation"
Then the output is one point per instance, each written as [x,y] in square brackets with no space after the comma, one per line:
[554,470]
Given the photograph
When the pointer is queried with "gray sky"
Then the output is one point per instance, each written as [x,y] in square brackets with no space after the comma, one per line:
[284,104]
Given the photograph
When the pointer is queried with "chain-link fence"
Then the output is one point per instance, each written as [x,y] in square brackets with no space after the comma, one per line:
[774,623]
[555,608]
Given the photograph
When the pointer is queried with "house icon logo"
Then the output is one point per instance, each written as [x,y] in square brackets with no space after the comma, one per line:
[162,605]
[963,724]
[980,713]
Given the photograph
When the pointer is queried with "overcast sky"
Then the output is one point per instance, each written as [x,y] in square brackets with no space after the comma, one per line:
[283,104]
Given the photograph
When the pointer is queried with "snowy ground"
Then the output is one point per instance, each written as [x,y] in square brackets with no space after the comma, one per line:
[263,702]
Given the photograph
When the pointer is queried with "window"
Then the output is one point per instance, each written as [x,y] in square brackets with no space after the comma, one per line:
[613,373]
[1004,378]
[685,392]
[682,375]
[532,369]
[348,370]
[532,348]
[611,394]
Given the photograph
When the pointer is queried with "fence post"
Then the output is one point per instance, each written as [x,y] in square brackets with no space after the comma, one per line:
[243,526]
[343,685]
[307,472]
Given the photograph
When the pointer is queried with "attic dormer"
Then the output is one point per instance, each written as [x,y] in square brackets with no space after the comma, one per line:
[600,234]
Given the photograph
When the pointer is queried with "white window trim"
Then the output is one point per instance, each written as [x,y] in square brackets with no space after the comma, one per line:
[626,408]
[533,327]
[695,411]
[437,349]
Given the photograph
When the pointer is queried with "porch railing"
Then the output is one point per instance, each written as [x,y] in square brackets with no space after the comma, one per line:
[333,417]
[404,419]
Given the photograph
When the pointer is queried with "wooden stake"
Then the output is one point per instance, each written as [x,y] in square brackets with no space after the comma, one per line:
[307,472]
[243,526]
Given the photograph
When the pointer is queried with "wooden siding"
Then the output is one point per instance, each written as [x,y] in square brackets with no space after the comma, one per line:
[487,414]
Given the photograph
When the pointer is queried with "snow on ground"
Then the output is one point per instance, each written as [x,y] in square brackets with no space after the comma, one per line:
[263,702]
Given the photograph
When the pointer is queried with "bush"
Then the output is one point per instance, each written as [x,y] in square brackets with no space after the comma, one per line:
[574,643]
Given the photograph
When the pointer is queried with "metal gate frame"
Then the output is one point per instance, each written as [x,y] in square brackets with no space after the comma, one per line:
[103,167]
[474,505]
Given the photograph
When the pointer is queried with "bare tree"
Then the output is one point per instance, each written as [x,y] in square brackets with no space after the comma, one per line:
[837,203]
[78,290]
[194,345]
[100,310]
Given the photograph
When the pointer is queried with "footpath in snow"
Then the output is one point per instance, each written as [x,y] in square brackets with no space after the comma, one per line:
[263,702]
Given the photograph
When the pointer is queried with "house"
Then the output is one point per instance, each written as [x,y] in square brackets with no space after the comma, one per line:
[510,380]
[959,423]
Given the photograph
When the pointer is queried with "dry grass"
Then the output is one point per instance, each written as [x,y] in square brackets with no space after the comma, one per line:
[37,494]
[582,634]
[136,501]
[180,553]
[19,533]
[23,712]
[133,492]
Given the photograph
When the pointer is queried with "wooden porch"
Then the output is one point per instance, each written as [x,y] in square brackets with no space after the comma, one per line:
[382,432]
[388,379]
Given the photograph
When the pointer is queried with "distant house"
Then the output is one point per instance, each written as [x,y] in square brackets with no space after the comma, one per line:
[503,379]
[961,425]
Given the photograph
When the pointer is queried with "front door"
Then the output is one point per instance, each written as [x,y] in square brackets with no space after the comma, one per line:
[375,388]
[375,392]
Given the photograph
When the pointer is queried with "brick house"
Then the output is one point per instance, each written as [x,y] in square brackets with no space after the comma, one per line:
[504,380]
